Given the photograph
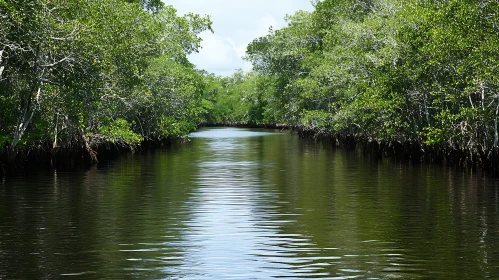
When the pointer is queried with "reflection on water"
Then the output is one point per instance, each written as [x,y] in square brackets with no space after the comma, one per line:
[250,204]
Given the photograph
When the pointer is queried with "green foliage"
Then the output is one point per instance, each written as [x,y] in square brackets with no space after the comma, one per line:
[119,131]
[67,69]
[5,139]
[174,127]
[412,70]
[394,70]
[239,98]
[149,5]
[317,120]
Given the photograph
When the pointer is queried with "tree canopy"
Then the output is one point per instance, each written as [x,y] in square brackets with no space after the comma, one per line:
[404,71]
[82,73]
[79,73]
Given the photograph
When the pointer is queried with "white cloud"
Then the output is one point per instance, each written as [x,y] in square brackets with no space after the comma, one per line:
[216,51]
[236,23]
[265,23]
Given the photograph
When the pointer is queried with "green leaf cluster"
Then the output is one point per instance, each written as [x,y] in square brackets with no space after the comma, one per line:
[120,131]
[411,70]
[113,68]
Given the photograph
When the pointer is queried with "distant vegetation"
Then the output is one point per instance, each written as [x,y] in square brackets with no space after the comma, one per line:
[424,72]
[79,74]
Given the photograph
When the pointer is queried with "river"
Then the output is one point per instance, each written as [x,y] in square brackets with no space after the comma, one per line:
[250,204]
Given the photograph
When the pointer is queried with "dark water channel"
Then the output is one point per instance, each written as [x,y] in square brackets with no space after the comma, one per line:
[250,204]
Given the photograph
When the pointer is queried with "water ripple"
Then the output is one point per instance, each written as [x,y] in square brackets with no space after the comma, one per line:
[255,205]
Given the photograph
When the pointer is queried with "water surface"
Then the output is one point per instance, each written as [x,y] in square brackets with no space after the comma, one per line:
[250,204]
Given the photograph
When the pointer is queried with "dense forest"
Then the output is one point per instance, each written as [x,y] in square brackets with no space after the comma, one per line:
[413,77]
[418,75]
[77,75]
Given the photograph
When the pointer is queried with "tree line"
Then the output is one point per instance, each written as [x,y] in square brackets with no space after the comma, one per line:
[82,73]
[76,75]
[423,72]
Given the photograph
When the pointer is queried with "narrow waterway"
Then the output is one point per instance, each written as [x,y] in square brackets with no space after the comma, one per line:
[250,204]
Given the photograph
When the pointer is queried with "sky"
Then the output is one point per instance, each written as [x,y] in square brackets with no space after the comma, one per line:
[235,23]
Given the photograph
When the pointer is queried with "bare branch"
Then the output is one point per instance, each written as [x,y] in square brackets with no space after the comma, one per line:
[55,63]
[50,82]
[1,67]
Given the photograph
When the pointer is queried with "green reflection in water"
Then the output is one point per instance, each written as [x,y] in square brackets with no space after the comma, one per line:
[250,204]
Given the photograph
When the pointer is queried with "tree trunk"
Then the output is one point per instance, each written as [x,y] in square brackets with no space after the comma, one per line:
[88,148]
[54,145]
[1,67]
[22,125]
[494,149]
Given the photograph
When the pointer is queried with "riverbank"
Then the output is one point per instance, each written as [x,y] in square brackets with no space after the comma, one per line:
[43,156]
[333,211]
[246,125]
[448,155]
[77,156]
[84,154]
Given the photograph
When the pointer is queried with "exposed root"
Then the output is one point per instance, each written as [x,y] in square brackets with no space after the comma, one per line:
[88,148]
